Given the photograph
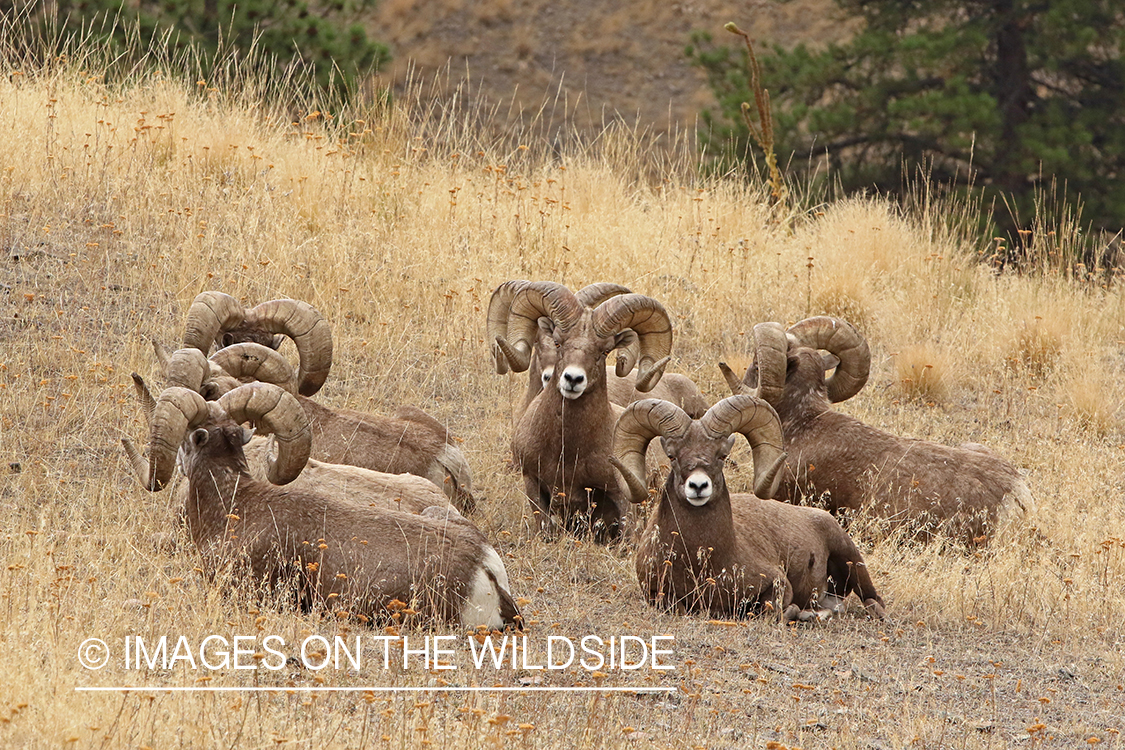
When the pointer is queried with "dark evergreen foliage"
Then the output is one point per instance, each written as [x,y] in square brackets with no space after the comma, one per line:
[323,36]
[1022,99]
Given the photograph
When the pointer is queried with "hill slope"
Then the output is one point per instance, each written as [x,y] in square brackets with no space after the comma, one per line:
[624,59]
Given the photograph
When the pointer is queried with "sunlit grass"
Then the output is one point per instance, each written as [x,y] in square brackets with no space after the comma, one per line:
[120,201]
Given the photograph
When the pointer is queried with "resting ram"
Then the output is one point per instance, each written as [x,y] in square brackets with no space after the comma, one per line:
[679,389]
[338,556]
[562,441]
[365,487]
[707,550]
[967,492]
[410,441]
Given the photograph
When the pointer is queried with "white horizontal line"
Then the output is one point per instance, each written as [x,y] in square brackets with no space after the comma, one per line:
[447,689]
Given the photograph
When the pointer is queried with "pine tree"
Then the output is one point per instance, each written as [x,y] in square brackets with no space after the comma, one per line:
[324,36]
[1013,97]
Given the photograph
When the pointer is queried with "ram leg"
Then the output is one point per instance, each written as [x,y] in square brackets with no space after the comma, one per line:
[539,498]
[605,517]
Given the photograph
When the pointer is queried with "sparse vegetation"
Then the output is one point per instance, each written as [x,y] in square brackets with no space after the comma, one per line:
[120,201]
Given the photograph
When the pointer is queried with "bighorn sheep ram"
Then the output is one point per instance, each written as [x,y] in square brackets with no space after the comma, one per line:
[563,440]
[406,492]
[410,441]
[706,550]
[966,491]
[340,556]
[679,389]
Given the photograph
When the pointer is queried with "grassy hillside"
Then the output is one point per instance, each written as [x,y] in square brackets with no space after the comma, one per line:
[582,62]
[119,203]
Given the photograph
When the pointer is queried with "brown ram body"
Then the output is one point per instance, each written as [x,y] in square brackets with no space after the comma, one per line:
[410,442]
[390,445]
[706,550]
[332,548]
[339,555]
[563,440]
[837,461]
[376,489]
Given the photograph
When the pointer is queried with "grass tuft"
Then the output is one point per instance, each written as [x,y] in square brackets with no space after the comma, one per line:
[923,372]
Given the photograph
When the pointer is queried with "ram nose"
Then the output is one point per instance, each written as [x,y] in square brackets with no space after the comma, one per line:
[698,488]
[548,373]
[573,382]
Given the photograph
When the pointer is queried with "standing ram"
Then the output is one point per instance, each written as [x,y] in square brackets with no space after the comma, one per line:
[563,440]
[707,550]
[967,492]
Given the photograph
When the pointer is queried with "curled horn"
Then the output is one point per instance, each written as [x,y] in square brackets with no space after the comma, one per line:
[210,313]
[648,319]
[844,341]
[250,361]
[538,299]
[186,368]
[627,356]
[309,330]
[636,427]
[733,381]
[175,412]
[755,419]
[162,354]
[273,410]
[498,308]
[766,377]
[594,294]
[144,396]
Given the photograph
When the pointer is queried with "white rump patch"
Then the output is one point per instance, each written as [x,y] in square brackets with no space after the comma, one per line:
[1017,509]
[482,604]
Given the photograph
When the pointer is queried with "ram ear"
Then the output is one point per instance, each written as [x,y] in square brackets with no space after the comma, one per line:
[627,344]
[727,446]
[831,361]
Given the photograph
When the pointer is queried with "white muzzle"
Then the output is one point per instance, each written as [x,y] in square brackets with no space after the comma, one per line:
[698,488]
[573,382]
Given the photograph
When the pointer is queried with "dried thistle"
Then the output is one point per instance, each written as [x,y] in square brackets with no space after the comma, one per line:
[762,132]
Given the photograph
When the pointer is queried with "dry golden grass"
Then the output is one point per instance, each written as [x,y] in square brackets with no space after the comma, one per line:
[119,204]
[922,372]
